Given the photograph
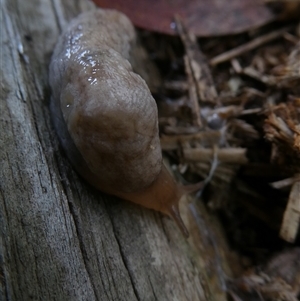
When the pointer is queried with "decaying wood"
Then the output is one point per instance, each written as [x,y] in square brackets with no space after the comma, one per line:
[61,239]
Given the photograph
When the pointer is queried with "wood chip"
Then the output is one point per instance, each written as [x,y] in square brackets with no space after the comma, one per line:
[291,218]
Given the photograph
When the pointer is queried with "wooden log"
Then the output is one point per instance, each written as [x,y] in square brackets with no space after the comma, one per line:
[60,238]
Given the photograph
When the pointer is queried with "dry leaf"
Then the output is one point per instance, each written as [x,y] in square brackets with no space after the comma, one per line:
[202,17]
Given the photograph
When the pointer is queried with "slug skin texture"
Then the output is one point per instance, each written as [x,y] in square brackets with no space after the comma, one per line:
[105,115]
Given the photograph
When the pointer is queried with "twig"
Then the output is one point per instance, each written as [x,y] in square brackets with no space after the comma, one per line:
[266,79]
[251,111]
[228,55]
[291,218]
[224,155]
[199,65]
[285,182]
[289,37]
[192,93]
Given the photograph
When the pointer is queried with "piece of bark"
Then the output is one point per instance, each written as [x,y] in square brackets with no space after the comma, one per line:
[61,239]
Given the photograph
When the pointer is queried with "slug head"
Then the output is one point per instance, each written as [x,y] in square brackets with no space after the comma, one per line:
[163,195]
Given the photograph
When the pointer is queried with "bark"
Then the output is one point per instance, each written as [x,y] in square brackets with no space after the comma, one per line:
[60,238]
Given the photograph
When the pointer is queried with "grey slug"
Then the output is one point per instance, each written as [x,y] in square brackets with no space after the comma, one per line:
[105,115]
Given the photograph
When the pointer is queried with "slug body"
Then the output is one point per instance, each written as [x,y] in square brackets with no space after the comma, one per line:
[105,116]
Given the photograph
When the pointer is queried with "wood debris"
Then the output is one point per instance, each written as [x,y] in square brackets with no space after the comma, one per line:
[282,128]
[279,279]
[231,118]
[224,155]
[291,218]
[226,135]
[211,136]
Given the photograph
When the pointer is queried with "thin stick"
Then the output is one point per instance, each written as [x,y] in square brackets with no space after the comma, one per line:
[224,155]
[228,55]
[192,94]
[286,182]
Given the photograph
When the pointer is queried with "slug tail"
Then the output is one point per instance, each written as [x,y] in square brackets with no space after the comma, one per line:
[174,212]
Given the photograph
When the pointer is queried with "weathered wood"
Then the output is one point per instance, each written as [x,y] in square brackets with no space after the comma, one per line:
[61,239]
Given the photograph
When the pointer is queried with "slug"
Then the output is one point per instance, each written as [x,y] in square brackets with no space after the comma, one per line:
[105,115]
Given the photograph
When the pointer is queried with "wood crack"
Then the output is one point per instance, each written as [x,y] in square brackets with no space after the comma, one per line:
[125,260]
[82,245]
